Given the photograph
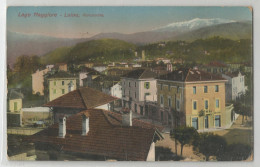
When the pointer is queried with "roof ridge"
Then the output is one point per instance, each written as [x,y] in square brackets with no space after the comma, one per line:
[142,74]
[82,99]
[106,118]
[138,127]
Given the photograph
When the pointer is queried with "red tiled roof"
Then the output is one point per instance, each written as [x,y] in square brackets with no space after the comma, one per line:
[140,74]
[190,75]
[116,119]
[103,138]
[84,98]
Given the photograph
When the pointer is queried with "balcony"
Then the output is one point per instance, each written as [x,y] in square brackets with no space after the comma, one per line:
[152,98]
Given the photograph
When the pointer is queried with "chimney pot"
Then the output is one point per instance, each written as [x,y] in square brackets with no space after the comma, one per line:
[62,127]
[127,119]
[85,125]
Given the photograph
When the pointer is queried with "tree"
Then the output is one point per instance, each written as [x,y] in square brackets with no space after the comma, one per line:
[236,152]
[176,119]
[184,135]
[27,64]
[210,145]
[202,114]
[24,66]
[161,63]
[243,105]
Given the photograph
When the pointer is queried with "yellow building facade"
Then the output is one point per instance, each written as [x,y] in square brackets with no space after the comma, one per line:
[60,86]
[199,101]
[15,105]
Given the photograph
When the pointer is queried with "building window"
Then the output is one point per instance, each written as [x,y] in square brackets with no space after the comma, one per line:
[169,87]
[194,90]
[129,84]
[195,123]
[63,91]
[54,91]
[216,88]
[169,119]
[146,110]
[217,103]
[130,105]
[215,70]
[146,94]
[178,104]
[205,89]
[135,94]
[194,105]
[54,83]
[178,89]
[135,107]
[161,116]
[161,86]
[129,93]
[206,122]
[135,84]
[141,110]
[161,99]
[169,102]
[206,104]
[62,82]
[217,121]
[147,85]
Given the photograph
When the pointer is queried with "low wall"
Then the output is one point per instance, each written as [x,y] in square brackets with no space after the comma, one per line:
[30,117]
[23,131]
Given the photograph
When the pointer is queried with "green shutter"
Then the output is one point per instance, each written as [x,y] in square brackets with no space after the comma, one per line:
[147,85]
[15,106]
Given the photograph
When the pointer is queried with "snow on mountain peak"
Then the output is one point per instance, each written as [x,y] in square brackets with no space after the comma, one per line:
[192,24]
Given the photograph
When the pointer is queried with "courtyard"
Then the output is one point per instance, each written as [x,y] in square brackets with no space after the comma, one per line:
[236,134]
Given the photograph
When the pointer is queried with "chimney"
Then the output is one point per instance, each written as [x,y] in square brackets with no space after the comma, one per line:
[85,125]
[62,127]
[127,119]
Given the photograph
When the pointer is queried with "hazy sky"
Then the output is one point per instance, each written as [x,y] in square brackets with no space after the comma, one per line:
[115,19]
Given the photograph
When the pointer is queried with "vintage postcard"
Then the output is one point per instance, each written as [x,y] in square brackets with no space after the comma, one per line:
[129,83]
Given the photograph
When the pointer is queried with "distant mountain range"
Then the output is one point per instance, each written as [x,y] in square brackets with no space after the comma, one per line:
[32,44]
[190,25]
[188,32]
[234,31]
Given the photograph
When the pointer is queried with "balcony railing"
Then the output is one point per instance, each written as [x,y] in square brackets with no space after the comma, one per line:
[151,98]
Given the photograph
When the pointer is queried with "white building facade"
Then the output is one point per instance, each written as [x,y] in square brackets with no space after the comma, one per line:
[235,86]
[139,89]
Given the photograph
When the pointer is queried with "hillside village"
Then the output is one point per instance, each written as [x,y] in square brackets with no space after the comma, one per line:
[176,90]
[143,96]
